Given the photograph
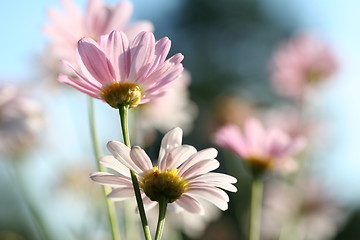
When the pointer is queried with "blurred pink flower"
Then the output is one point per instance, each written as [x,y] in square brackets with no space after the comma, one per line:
[21,118]
[123,73]
[262,149]
[182,175]
[67,29]
[300,62]
[176,107]
[301,211]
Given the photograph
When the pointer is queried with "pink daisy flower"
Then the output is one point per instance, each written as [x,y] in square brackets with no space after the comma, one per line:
[66,29]
[182,175]
[302,61]
[262,149]
[123,73]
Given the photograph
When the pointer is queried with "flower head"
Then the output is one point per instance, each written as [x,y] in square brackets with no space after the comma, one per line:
[66,29]
[181,176]
[123,73]
[299,63]
[262,149]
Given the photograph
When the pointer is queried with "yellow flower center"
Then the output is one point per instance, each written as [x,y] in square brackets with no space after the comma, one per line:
[119,94]
[159,185]
[259,165]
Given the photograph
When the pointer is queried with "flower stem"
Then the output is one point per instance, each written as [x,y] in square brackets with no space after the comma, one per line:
[161,220]
[255,209]
[124,112]
[105,189]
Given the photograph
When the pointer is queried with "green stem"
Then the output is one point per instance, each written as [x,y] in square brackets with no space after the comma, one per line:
[124,112]
[161,220]
[255,209]
[105,189]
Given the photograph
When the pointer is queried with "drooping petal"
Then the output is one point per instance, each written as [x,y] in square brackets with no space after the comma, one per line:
[81,86]
[190,204]
[121,193]
[95,61]
[140,158]
[214,195]
[219,184]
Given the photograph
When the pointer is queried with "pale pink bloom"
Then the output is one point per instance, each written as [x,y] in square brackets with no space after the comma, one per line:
[176,109]
[120,72]
[299,63]
[67,29]
[185,171]
[21,118]
[261,148]
[302,210]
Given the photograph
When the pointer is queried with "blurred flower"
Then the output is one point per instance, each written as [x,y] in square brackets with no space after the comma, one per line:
[182,175]
[261,149]
[302,209]
[20,119]
[177,110]
[232,109]
[300,62]
[124,74]
[66,30]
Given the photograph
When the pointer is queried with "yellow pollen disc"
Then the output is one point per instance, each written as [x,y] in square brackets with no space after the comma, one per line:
[122,94]
[159,185]
[259,165]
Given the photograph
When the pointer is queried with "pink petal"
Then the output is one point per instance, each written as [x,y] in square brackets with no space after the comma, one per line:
[119,16]
[140,158]
[209,153]
[95,61]
[214,195]
[171,140]
[135,28]
[190,204]
[199,168]
[162,48]
[177,156]
[113,163]
[111,179]
[230,137]
[120,194]
[255,136]
[116,49]
[81,86]
[95,18]
[142,54]
[122,153]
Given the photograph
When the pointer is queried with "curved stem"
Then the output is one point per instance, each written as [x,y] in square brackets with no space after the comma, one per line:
[105,189]
[255,209]
[124,118]
[161,220]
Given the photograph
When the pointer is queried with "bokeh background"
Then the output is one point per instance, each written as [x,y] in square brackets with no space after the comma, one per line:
[227,45]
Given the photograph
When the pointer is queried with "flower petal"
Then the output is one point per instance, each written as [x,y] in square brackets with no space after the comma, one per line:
[119,16]
[95,61]
[178,155]
[190,204]
[199,168]
[113,163]
[214,195]
[171,140]
[122,153]
[231,138]
[111,179]
[122,193]
[140,158]
[209,153]
[142,53]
